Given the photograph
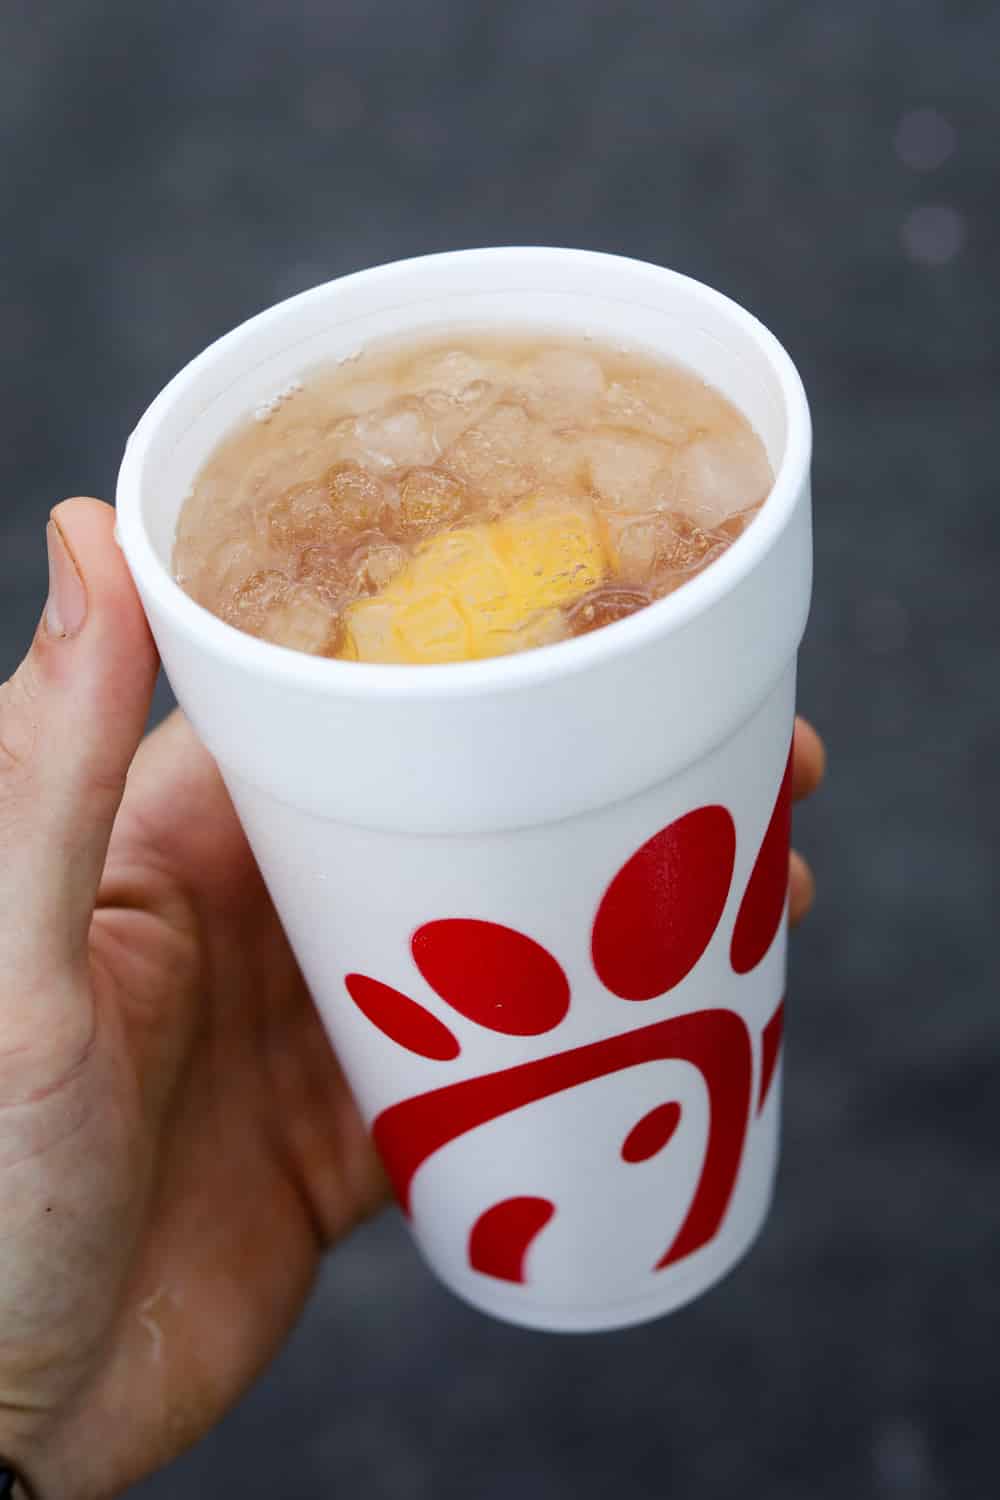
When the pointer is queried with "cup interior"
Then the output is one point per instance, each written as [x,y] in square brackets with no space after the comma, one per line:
[444,748]
[624,302]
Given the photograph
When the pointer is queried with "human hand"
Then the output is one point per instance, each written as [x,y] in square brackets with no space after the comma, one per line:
[177,1144]
[808,770]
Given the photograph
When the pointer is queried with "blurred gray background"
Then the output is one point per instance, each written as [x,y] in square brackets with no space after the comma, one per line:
[168,171]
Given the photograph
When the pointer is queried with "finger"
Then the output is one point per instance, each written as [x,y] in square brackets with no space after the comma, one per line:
[178,816]
[70,721]
[801,888]
[808,760]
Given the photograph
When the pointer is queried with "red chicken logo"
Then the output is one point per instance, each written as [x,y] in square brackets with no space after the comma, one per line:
[654,922]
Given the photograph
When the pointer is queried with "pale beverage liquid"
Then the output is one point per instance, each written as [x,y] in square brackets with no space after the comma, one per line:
[467,495]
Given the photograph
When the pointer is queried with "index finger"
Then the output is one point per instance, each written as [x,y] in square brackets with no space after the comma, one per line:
[808,760]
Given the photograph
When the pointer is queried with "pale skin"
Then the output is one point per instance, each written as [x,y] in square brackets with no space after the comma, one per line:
[178,1147]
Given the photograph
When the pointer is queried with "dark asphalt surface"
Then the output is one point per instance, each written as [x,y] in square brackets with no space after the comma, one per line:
[166,172]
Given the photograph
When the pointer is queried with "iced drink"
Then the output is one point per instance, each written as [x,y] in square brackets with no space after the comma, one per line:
[467,496]
[539,896]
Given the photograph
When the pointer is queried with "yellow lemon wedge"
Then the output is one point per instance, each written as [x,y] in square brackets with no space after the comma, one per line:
[482,590]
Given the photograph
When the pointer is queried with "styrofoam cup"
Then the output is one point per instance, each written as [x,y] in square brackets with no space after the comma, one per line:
[540,899]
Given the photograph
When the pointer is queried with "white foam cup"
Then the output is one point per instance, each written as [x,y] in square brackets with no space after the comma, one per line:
[539,899]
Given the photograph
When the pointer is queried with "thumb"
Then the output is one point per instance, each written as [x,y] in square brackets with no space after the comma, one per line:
[71,718]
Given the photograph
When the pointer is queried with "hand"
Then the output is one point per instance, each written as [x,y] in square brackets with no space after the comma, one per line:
[808,769]
[177,1144]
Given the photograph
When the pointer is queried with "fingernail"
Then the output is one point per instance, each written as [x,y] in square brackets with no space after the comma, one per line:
[66,609]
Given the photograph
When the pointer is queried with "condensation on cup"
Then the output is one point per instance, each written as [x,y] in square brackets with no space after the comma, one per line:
[540,900]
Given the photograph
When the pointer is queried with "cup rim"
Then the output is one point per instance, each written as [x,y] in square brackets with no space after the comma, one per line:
[494,675]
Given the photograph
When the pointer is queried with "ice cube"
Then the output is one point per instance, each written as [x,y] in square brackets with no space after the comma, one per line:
[302,516]
[286,457]
[343,440]
[633,541]
[688,547]
[659,544]
[735,525]
[370,635]
[302,622]
[451,371]
[429,500]
[721,473]
[569,370]
[221,571]
[629,470]
[248,606]
[489,457]
[325,569]
[373,564]
[398,435]
[562,387]
[451,415]
[626,408]
[358,499]
[603,607]
[561,459]
[474,393]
